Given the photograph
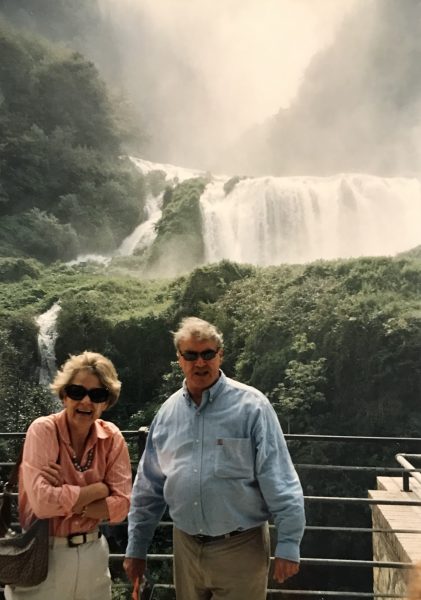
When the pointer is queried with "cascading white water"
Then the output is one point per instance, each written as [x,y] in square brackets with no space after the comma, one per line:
[173,173]
[145,233]
[273,220]
[47,336]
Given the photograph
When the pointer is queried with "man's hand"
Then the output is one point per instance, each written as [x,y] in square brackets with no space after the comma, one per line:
[284,569]
[135,568]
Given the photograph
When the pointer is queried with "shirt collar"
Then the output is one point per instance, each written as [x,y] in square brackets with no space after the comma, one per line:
[208,395]
[99,431]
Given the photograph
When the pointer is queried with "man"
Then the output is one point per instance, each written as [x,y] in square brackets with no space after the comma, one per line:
[217,456]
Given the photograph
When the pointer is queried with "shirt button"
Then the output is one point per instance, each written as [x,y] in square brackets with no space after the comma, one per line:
[195,503]
[195,470]
[197,441]
[200,530]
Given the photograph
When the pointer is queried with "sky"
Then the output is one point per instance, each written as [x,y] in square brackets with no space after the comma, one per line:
[217,66]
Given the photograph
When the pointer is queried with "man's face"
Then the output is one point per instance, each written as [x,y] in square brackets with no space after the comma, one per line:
[200,373]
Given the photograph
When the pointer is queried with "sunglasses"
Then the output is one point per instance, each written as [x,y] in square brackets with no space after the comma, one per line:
[206,355]
[78,392]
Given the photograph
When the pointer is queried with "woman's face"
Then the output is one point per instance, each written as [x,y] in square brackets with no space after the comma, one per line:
[81,414]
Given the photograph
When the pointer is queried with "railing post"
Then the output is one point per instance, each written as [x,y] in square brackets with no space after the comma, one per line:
[406,486]
[142,436]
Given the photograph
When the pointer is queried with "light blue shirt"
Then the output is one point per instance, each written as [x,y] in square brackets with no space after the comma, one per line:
[220,466]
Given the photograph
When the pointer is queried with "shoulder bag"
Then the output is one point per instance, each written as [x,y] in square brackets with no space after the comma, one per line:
[23,556]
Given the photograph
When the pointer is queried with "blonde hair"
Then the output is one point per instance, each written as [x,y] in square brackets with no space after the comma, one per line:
[193,327]
[95,363]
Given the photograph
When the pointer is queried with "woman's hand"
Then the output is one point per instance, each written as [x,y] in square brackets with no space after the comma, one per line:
[90,493]
[53,474]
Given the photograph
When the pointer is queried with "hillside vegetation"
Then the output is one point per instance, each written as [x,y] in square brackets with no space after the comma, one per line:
[64,188]
[335,345]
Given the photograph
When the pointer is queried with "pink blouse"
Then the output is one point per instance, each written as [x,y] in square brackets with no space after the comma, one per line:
[47,440]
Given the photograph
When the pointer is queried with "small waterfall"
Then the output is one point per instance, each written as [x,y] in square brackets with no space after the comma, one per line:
[46,340]
[273,220]
[145,233]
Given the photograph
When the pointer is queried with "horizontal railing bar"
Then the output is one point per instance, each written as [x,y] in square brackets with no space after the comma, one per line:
[344,562]
[379,501]
[359,529]
[342,594]
[343,500]
[288,436]
[331,528]
[368,469]
[335,562]
[347,438]
[322,528]
[397,470]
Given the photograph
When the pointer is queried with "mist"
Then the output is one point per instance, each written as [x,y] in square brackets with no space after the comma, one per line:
[253,87]
[202,73]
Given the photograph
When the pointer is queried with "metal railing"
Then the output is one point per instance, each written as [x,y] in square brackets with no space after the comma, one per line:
[406,470]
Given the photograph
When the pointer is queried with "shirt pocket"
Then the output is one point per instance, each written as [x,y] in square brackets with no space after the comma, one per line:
[234,458]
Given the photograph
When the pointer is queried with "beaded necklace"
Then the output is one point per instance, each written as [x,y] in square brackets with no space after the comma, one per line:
[88,463]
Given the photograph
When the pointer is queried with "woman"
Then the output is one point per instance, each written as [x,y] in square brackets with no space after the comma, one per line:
[76,472]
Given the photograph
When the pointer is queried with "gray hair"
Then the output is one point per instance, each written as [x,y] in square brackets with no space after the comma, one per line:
[95,363]
[193,327]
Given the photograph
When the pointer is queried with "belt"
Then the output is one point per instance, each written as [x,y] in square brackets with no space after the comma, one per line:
[77,539]
[205,539]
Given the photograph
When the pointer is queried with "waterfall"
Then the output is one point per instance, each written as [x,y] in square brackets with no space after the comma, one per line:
[46,340]
[145,233]
[273,220]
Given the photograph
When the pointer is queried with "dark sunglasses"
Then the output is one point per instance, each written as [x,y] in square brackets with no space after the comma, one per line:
[78,392]
[191,356]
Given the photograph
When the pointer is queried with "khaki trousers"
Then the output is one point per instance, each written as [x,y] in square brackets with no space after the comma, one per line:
[79,573]
[232,569]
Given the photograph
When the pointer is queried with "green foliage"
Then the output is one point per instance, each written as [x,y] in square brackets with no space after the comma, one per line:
[14,269]
[334,345]
[330,343]
[59,155]
[39,235]
[61,104]
[178,247]
[21,398]
[301,392]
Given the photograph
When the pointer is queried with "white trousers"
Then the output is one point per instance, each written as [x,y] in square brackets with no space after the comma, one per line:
[79,573]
